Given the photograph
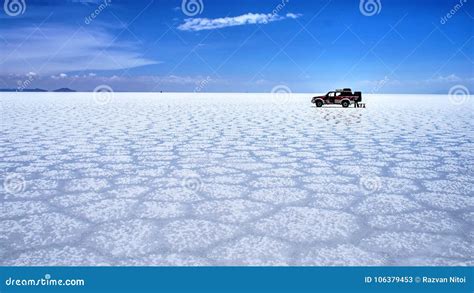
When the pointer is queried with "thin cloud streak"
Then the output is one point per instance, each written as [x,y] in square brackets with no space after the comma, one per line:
[199,24]
[53,50]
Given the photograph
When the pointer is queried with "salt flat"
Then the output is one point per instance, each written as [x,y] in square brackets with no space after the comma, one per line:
[235,179]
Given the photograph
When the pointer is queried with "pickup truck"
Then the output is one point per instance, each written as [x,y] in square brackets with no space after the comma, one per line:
[344,97]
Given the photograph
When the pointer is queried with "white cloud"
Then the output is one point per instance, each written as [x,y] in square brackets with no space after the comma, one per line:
[199,24]
[448,78]
[55,50]
[175,79]
[293,15]
[59,76]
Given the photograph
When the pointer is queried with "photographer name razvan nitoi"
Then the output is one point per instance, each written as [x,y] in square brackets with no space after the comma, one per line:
[443,280]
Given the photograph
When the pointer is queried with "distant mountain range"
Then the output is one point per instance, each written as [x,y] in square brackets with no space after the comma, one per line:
[61,90]
[64,89]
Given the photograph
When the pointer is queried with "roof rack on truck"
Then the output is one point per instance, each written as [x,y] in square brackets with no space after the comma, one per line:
[343,90]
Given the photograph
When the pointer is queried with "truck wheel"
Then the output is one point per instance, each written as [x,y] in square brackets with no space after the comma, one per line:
[345,104]
[319,103]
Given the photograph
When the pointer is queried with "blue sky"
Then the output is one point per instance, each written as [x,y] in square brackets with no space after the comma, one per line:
[239,46]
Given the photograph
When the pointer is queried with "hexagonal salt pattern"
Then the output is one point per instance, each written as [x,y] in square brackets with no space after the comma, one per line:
[234,179]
